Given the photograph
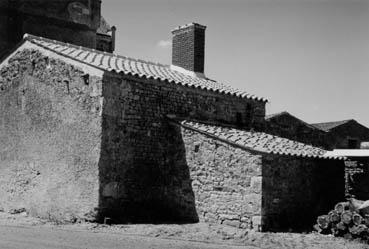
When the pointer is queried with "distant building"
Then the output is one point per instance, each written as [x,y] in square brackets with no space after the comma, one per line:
[288,126]
[346,134]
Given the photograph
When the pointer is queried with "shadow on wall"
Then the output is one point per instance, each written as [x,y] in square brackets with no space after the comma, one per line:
[143,173]
[297,190]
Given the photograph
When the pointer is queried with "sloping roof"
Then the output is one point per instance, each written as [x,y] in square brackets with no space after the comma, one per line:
[258,141]
[285,113]
[349,153]
[135,67]
[330,125]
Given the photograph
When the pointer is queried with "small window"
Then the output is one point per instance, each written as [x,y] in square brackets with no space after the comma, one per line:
[248,111]
[239,118]
[352,143]
[86,79]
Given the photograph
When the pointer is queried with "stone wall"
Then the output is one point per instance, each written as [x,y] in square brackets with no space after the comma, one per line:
[143,159]
[226,181]
[297,190]
[153,100]
[50,130]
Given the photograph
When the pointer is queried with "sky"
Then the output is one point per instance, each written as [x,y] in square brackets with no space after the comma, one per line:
[307,57]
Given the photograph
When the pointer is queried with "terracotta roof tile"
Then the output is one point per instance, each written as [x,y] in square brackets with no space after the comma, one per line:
[259,141]
[140,68]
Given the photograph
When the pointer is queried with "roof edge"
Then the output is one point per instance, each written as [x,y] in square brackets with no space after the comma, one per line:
[271,116]
[216,137]
[184,125]
[11,52]
[28,39]
[235,92]
[338,123]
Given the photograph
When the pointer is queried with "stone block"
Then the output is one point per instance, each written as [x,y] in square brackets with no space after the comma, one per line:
[232,223]
[256,184]
[229,217]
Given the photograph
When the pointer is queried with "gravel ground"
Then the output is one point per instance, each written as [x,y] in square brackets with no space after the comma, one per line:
[201,235]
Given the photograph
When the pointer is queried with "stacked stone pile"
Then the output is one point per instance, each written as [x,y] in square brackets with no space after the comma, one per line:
[348,219]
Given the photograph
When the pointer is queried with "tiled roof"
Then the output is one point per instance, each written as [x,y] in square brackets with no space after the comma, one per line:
[259,141]
[135,67]
[330,125]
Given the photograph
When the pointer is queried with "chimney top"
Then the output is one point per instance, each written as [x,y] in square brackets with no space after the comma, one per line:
[196,25]
[188,49]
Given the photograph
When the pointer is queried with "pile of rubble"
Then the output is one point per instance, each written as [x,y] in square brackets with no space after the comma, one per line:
[349,219]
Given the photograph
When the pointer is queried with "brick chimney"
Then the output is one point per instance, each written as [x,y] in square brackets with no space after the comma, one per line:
[188,49]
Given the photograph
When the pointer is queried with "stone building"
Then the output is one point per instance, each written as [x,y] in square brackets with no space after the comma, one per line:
[288,126]
[346,134]
[87,135]
[71,21]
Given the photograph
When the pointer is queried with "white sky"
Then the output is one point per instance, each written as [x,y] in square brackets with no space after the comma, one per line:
[308,57]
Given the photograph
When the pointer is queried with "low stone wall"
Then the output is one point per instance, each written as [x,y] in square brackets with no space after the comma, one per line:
[226,181]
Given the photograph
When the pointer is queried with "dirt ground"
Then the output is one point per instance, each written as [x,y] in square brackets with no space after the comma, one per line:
[199,235]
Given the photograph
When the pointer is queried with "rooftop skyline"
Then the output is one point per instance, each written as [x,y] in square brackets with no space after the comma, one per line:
[308,57]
